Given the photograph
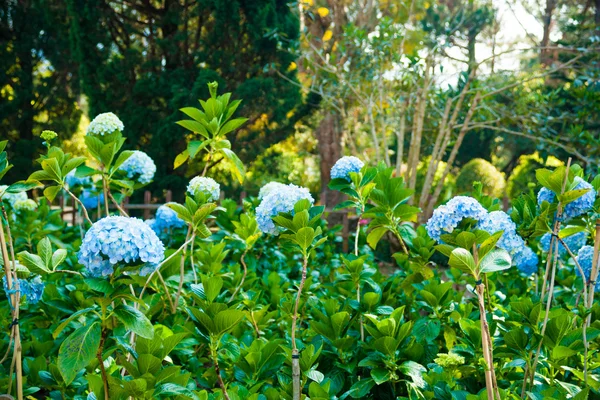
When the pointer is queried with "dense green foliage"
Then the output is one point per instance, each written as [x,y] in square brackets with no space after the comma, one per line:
[218,316]
[479,170]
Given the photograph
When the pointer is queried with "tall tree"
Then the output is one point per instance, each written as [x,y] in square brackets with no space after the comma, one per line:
[145,60]
[38,85]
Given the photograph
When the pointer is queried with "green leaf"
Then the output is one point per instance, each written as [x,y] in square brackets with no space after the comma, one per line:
[305,237]
[122,158]
[195,146]
[33,262]
[232,125]
[552,180]
[571,196]
[45,251]
[194,113]
[78,350]
[466,240]
[212,287]
[239,170]
[462,260]
[495,260]
[181,158]
[193,126]
[50,165]
[445,249]
[226,320]
[51,192]
[23,186]
[69,319]
[375,236]
[134,320]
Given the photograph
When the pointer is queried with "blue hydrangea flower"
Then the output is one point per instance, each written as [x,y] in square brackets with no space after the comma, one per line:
[90,200]
[574,242]
[208,186]
[526,260]
[576,208]
[72,181]
[344,166]
[585,258]
[11,198]
[446,218]
[25,205]
[270,187]
[522,256]
[282,200]
[139,166]
[32,290]
[113,240]
[500,221]
[105,124]
[165,220]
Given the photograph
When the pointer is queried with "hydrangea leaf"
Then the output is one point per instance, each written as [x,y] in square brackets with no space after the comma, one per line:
[134,320]
[78,350]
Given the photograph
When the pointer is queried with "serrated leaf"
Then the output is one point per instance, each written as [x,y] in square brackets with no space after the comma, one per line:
[78,350]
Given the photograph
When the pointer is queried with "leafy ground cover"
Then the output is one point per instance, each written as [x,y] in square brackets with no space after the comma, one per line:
[212,300]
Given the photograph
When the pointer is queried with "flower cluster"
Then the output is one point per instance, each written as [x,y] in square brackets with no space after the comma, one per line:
[344,166]
[117,239]
[447,217]
[575,208]
[105,124]
[139,166]
[268,188]
[585,258]
[32,289]
[526,260]
[11,198]
[574,242]
[522,256]
[72,181]
[281,200]
[165,220]
[90,200]
[207,186]
[24,205]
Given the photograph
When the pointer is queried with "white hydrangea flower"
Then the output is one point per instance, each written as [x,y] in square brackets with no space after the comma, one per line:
[105,124]
[205,185]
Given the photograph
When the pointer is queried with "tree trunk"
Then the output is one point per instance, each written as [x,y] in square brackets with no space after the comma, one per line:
[545,54]
[330,150]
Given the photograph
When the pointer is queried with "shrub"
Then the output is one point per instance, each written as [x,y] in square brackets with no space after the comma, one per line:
[523,175]
[480,170]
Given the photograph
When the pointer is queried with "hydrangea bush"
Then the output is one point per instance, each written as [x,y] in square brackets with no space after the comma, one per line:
[105,124]
[278,201]
[120,241]
[453,308]
[345,165]
[139,167]
[205,186]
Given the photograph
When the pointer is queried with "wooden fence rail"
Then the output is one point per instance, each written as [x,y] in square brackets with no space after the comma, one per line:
[69,213]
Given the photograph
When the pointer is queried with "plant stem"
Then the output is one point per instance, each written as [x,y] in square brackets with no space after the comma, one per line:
[117,205]
[585,296]
[207,163]
[101,365]
[297,389]
[166,260]
[85,213]
[552,273]
[489,383]
[15,300]
[243,276]
[105,189]
[182,270]
[215,358]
